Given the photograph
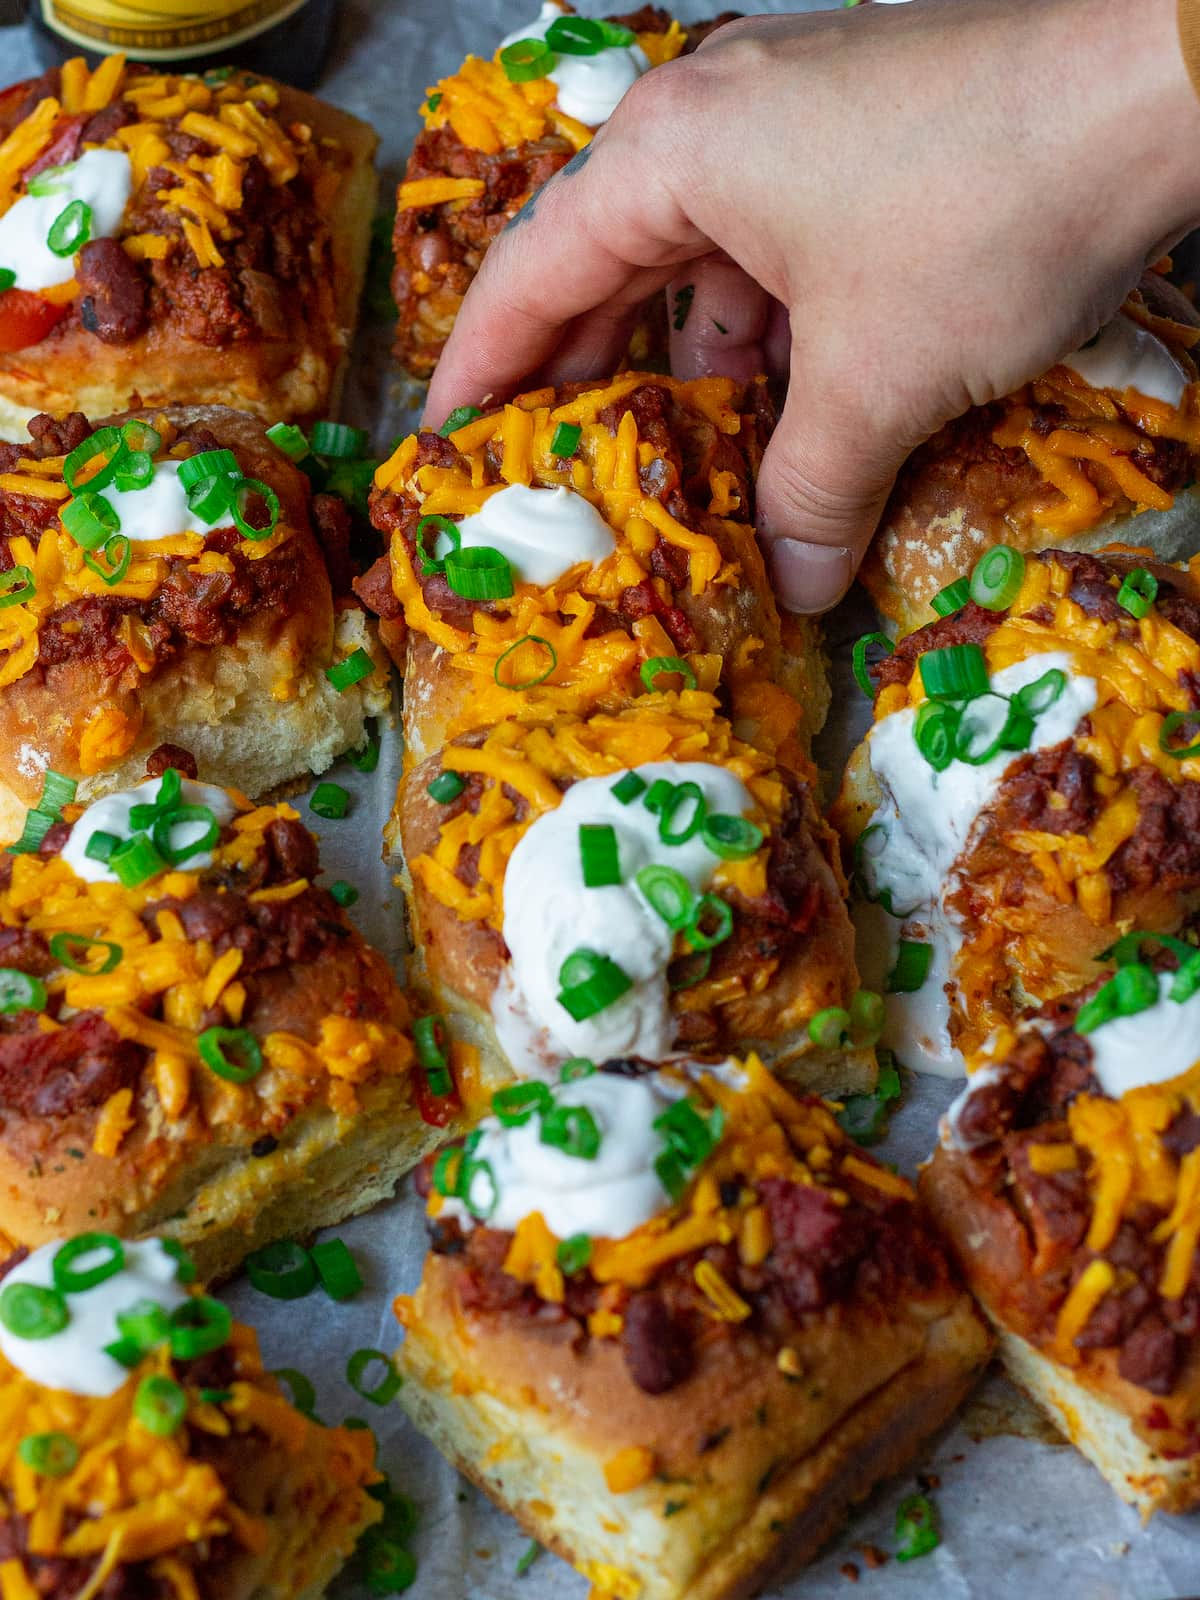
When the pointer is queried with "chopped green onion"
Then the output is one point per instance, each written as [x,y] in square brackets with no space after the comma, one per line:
[16,586]
[449,1171]
[913,959]
[984,728]
[69,1279]
[671,1173]
[573,1254]
[164,828]
[71,229]
[935,733]
[663,666]
[480,573]
[516,1105]
[116,554]
[1171,725]
[345,894]
[90,519]
[710,923]
[70,950]
[101,846]
[286,436]
[865,1116]
[330,800]
[29,1311]
[659,793]
[577,1067]
[527,59]
[140,438]
[573,1130]
[353,669]
[829,1027]
[207,464]
[300,1389]
[867,1011]
[57,791]
[215,1397]
[691,1134]
[232,1053]
[211,498]
[615,34]
[447,786]
[126,1352]
[389,1567]
[283,1269]
[7,279]
[146,1323]
[337,1269]
[338,440]
[1041,694]
[244,490]
[669,893]
[106,442]
[1187,979]
[682,795]
[199,1326]
[859,663]
[388,1386]
[185,1267]
[50,1455]
[366,759]
[575,36]
[952,598]
[916,1528]
[628,787]
[160,1405]
[1128,947]
[590,983]
[566,440]
[441,527]
[955,672]
[37,825]
[429,1040]
[731,838]
[1131,989]
[352,481]
[19,991]
[547,662]
[598,855]
[689,970]
[997,578]
[458,418]
[1138,592]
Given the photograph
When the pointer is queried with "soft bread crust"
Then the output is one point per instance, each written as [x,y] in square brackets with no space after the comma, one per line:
[254,712]
[533,1420]
[461,963]
[1108,1419]
[296,378]
[945,513]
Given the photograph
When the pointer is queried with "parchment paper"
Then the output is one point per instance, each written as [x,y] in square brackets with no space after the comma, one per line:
[1023,1516]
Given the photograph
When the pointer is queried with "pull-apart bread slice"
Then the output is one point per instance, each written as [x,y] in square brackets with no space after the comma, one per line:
[193,1037]
[1029,792]
[620,525]
[163,583]
[1104,447]
[1068,1187]
[676,1324]
[146,1452]
[494,132]
[167,238]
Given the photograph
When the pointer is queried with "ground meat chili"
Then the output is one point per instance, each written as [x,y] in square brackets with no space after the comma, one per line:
[59,1578]
[1026,1104]
[823,1254]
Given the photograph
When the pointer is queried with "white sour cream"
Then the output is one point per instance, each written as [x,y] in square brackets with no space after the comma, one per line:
[950,1134]
[589,87]
[1152,1046]
[608,1196]
[101,179]
[928,817]
[1125,356]
[542,533]
[160,510]
[110,814]
[74,1358]
[549,913]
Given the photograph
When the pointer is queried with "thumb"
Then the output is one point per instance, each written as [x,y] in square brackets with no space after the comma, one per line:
[824,480]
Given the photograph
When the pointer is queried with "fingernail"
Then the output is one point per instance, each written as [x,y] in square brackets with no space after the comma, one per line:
[810,577]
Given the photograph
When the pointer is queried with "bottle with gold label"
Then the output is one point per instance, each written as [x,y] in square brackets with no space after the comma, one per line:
[286,39]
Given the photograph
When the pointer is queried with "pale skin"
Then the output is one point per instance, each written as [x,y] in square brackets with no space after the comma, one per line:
[906,209]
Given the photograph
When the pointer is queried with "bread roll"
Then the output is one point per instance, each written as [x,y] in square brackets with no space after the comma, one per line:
[231,276]
[688,1405]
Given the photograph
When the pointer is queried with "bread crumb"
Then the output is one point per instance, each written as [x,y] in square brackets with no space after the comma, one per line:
[874,1556]
[849,1571]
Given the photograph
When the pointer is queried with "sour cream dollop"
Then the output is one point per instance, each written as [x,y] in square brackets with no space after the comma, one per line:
[609,1195]
[110,814]
[160,510]
[101,179]
[1124,355]
[589,87]
[549,912]
[74,1359]
[542,533]
[1152,1046]
[928,818]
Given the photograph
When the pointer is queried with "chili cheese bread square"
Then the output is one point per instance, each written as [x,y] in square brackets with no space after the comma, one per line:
[169,238]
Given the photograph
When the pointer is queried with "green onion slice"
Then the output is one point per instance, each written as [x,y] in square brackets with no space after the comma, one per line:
[145,1322]
[658,794]
[286,436]
[599,857]
[1128,947]
[345,894]
[300,1389]
[71,229]
[984,728]
[232,1053]
[689,799]
[829,1028]
[710,923]
[212,498]
[136,861]
[689,1132]
[164,830]
[284,1270]
[860,664]
[37,825]
[160,1405]
[1187,979]
[1037,697]
[71,950]
[935,732]
[573,1130]
[662,666]
[628,787]
[338,440]
[480,573]
[1138,592]
[865,1116]
[72,1279]
[527,59]
[913,960]
[575,36]
[50,1455]
[916,1528]
[438,527]
[207,464]
[573,1254]
[689,970]
[566,440]
[16,586]
[669,893]
[20,991]
[113,561]
[731,838]
[577,1067]
[135,470]
[867,1011]
[185,1267]
[106,442]
[330,800]
[997,578]
[90,519]
[388,1567]
[447,786]
[537,671]
[199,1326]
[29,1311]
[366,758]
[590,983]
[459,418]
[1131,989]
[1171,726]
[429,1039]
[515,1105]
[57,791]
[952,598]
[7,279]
[955,672]
[353,669]
[385,1389]
[245,490]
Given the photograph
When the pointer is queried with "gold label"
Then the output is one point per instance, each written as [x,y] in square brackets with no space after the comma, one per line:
[163,30]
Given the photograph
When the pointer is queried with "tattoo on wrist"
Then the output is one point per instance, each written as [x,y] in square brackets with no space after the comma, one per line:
[576,164]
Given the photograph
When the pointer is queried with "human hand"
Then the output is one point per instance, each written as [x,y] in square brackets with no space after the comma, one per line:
[941,198]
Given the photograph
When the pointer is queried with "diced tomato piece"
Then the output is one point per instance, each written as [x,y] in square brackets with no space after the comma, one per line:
[435,1109]
[26,319]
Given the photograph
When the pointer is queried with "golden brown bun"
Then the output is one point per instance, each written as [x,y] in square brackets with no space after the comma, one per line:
[959,495]
[296,377]
[254,712]
[461,962]
[533,1421]
[1105,1417]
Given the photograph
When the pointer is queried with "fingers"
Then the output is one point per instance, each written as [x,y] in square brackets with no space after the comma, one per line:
[719,319]
[825,478]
